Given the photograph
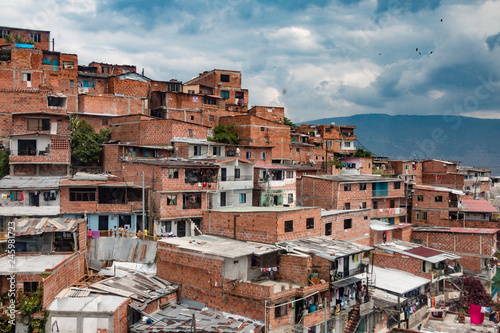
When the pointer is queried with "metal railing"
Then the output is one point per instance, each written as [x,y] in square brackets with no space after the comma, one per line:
[126,234]
[232,178]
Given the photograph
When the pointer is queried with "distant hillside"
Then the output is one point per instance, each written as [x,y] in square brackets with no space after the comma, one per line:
[473,141]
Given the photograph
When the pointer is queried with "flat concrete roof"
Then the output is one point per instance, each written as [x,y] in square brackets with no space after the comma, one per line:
[336,212]
[253,209]
[220,246]
[34,264]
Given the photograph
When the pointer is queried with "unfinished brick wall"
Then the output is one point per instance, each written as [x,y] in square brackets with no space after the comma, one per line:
[121,317]
[272,113]
[25,34]
[359,232]
[401,262]
[470,246]
[265,227]
[110,104]
[295,269]
[63,276]
[128,87]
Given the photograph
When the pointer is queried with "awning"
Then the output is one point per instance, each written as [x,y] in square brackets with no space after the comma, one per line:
[345,282]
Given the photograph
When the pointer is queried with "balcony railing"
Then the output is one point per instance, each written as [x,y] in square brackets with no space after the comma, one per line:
[388,211]
[234,179]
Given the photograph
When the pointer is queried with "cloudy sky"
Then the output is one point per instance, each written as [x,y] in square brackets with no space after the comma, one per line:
[316,58]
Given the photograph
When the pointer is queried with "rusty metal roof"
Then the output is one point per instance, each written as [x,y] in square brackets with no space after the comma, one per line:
[423,252]
[36,226]
[479,206]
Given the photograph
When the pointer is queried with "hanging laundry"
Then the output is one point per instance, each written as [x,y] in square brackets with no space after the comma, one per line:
[22,196]
[89,233]
[476,317]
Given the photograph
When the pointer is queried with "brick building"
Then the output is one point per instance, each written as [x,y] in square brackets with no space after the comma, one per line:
[40,39]
[223,83]
[432,264]
[477,182]
[383,232]
[256,131]
[383,195]
[351,225]
[442,173]
[257,280]
[408,170]
[475,246]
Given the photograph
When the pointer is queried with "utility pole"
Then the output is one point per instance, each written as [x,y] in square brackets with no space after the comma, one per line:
[194,323]
[326,316]
[53,44]
[143,201]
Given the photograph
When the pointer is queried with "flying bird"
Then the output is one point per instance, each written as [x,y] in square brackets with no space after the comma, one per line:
[419,53]
[416,50]
[380,54]
[431,52]
[441,20]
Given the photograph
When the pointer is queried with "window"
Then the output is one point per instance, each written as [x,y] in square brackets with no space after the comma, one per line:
[310,223]
[55,101]
[328,229]
[196,150]
[397,185]
[289,174]
[173,173]
[4,33]
[82,194]
[243,197]
[211,118]
[191,201]
[328,130]
[289,226]
[71,84]
[420,198]
[29,287]
[421,216]
[280,311]
[363,205]
[26,77]
[105,70]
[239,94]
[216,151]
[329,143]
[290,198]
[263,156]
[34,37]
[192,117]
[168,226]
[262,129]
[237,173]
[347,187]
[224,78]
[249,154]
[16,195]
[26,147]
[347,206]
[172,200]
[362,186]
[190,133]
[438,198]
[375,205]
[68,65]
[224,93]
[35,124]
[347,224]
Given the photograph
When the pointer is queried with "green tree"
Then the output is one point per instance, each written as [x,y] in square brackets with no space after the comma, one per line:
[224,134]
[4,163]
[86,144]
[289,122]
[360,152]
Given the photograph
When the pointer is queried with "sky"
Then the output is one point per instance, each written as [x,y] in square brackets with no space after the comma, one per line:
[318,59]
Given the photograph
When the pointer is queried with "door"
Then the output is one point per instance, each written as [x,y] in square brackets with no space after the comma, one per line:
[299,308]
[34,199]
[181,228]
[346,266]
[103,222]
[223,199]
[391,204]
[223,174]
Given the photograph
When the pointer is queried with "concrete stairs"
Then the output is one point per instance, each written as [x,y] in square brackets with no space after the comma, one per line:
[353,323]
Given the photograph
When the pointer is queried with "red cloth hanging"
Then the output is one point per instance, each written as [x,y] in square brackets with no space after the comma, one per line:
[22,196]
[476,316]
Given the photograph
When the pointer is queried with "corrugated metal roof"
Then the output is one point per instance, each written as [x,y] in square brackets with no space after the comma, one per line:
[383,278]
[29,182]
[405,248]
[457,230]
[480,206]
[36,226]
[326,247]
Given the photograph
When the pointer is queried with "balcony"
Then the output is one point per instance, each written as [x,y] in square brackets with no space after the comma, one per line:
[231,183]
[380,193]
[39,156]
[447,271]
[385,212]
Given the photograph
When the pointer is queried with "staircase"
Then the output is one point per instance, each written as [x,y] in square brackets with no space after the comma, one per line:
[353,323]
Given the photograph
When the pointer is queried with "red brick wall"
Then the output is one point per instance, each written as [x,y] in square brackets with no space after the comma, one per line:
[295,269]
[264,227]
[358,233]
[401,262]
[121,317]
[127,87]
[473,244]
[272,113]
[63,276]
[110,104]
[25,34]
